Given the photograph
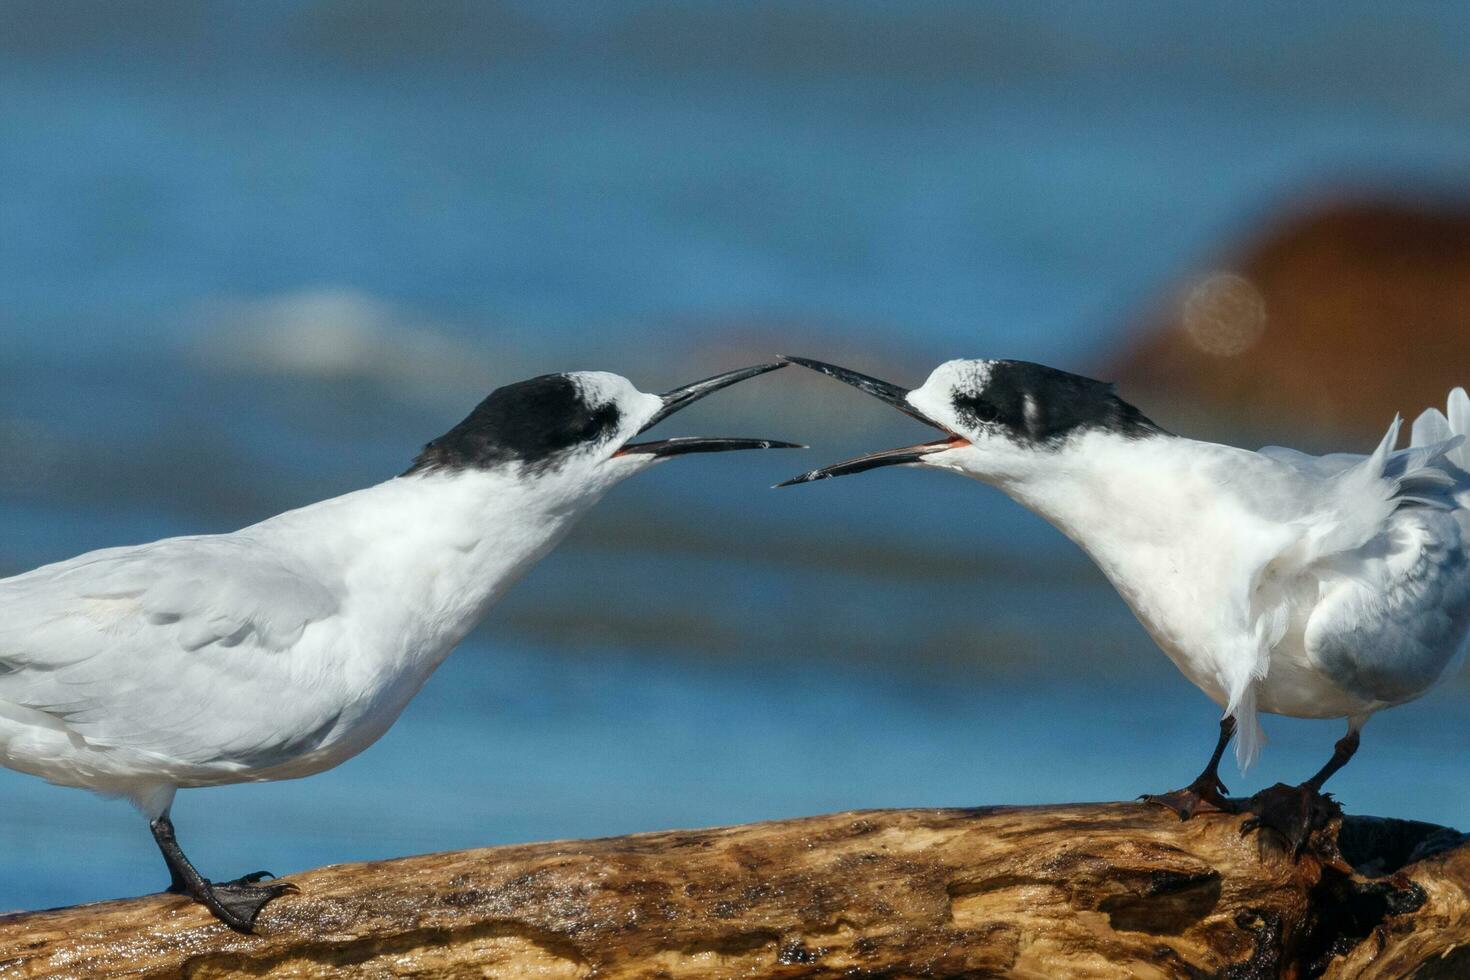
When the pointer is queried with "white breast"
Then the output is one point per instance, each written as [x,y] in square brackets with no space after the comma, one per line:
[275,651]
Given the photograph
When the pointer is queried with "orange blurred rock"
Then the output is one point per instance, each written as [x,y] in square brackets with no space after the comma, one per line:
[1334,320]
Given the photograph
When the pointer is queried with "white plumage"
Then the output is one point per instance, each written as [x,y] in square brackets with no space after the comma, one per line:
[282,649]
[117,661]
[1312,586]
[1308,586]
[275,651]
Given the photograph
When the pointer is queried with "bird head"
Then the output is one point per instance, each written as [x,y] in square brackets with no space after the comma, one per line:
[578,428]
[1001,419]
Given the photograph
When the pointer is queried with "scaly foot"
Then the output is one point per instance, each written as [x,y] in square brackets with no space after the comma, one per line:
[1293,813]
[238,903]
[1205,795]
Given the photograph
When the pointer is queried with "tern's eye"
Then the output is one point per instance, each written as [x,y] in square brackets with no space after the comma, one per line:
[976,407]
[599,423]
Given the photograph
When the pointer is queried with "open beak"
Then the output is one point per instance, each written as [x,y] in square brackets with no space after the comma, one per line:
[883,391]
[687,395]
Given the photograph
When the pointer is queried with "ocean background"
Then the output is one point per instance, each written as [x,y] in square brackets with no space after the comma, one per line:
[253,255]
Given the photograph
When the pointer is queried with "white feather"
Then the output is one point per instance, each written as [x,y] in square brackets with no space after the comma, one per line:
[1458,416]
[1313,586]
[275,651]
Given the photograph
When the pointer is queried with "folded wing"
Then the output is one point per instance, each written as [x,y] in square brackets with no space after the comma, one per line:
[186,651]
[1382,555]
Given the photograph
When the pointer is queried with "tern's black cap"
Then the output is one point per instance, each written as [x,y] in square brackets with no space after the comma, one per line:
[528,422]
[1042,404]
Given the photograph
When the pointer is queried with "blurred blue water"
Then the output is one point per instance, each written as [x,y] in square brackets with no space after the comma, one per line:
[522,744]
[660,189]
[972,176]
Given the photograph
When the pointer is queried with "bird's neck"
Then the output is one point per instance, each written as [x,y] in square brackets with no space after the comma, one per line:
[1118,497]
[1160,517]
[426,555]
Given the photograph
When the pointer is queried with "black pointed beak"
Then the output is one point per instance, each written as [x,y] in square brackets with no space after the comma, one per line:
[872,461]
[883,391]
[683,397]
[704,444]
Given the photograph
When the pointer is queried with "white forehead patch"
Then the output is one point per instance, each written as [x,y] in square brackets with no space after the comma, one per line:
[934,397]
[602,387]
[606,388]
[962,375]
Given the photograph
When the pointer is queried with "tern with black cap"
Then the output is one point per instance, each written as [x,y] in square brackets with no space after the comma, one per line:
[282,649]
[1311,586]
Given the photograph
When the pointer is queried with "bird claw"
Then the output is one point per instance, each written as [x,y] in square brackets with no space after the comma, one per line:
[1204,795]
[239,903]
[1292,813]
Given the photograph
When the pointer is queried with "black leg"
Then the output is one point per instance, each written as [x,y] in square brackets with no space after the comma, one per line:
[176,883]
[1206,793]
[1345,749]
[235,903]
[1294,812]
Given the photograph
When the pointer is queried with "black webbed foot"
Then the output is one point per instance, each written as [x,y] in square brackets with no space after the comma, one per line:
[1293,813]
[1205,795]
[235,903]
[238,903]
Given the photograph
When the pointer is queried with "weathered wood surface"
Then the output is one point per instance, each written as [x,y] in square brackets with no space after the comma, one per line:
[1108,890]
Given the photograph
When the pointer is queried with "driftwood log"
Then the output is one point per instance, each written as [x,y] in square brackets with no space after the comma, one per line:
[1109,890]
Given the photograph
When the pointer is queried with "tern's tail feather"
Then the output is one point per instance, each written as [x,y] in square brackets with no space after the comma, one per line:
[1459,422]
[1451,431]
[1361,493]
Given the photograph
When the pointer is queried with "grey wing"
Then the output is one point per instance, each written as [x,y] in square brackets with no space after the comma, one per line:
[180,649]
[1377,557]
[1393,621]
[1431,479]
[1317,466]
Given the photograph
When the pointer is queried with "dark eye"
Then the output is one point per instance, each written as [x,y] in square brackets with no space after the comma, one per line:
[600,423]
[978,408]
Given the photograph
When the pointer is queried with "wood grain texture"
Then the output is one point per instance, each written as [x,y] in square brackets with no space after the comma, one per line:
[1097,890]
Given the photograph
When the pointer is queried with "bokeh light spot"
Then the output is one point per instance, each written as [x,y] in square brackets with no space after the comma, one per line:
[1224,314]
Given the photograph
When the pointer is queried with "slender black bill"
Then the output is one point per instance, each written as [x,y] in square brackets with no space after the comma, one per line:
[881,390]
[872,461]
[700,444]
[683,397]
